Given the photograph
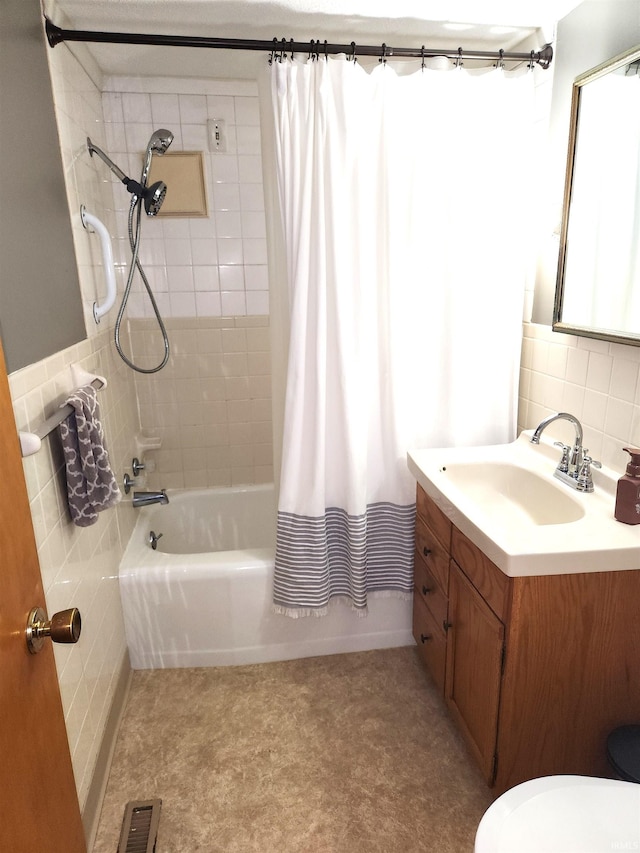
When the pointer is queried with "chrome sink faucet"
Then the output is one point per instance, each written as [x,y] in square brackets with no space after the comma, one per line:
[574,467]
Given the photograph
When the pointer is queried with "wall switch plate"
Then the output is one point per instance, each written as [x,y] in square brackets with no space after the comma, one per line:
[217,135]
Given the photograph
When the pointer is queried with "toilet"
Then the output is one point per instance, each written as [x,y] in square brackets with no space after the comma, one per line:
[563,814]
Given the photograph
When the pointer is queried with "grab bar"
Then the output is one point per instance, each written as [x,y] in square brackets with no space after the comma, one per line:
[88,219]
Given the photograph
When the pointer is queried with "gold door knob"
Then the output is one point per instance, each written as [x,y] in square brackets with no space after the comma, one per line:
[63,627]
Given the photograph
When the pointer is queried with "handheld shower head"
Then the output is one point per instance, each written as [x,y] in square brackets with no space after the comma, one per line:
[152,196]
[160,140]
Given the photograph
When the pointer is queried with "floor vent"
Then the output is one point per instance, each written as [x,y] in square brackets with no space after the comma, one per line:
[140,826]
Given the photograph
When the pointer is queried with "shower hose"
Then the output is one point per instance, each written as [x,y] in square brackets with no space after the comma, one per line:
[135,209]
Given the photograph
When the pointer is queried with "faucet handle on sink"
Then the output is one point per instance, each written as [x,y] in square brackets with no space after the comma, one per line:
[585,483]
[563,465]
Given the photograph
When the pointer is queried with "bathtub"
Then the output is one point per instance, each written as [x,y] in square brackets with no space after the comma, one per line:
[203,598]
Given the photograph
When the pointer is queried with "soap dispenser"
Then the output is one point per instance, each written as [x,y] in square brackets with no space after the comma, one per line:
[628,493]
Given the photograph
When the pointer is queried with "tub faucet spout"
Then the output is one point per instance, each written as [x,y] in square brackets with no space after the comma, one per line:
[148,498]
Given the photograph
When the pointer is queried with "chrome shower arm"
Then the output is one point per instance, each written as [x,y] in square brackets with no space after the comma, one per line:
[93,149]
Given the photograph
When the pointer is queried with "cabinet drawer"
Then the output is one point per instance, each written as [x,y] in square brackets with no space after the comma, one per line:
[429,590]
[433,553]
[434,517]
[431,640]
[492,584]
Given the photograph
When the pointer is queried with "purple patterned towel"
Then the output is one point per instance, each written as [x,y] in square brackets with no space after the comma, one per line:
[91,485]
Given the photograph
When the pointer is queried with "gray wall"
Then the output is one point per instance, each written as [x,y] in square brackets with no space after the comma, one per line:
[40,302]
[594,32]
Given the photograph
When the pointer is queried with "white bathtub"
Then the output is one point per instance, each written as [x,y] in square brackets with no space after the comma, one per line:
[203,598]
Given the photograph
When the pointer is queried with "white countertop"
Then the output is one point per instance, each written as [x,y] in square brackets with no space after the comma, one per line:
[494,520]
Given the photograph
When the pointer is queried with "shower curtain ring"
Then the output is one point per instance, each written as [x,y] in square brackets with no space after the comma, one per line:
[353,52]
[311,46]
[459,62]
[422,54]
[283,50]
[291,48]
[500,62]
[273,50]
[383,57]
[325,50]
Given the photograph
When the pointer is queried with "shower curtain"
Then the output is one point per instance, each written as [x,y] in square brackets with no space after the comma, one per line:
[403,217]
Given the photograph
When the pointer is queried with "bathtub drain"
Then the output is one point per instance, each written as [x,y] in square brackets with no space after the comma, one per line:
[140,826]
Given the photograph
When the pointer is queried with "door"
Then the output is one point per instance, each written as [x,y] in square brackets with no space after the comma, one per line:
[474,669]
[38,802]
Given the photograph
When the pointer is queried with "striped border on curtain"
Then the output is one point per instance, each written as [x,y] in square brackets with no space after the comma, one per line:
[337,554]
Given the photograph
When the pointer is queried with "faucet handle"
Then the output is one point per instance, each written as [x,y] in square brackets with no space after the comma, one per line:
[585,482]
[589,461]
[563,465]
[137,466]
[127,483]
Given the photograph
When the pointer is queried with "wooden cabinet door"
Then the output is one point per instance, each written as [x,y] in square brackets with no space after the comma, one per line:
[38,803]
[474,668]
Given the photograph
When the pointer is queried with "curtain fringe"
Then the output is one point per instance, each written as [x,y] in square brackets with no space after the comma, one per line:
[299,612]
[363,612]
[391,593]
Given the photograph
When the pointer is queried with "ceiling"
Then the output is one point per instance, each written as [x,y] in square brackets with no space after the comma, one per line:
[486,25]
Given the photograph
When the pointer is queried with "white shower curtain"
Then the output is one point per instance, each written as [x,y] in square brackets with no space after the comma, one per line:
[404,211]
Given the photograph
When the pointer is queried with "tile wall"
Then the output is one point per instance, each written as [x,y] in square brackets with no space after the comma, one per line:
[597,381]
[80,565]
[211,405]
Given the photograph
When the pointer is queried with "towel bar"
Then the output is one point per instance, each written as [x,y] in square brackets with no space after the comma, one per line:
[30,442]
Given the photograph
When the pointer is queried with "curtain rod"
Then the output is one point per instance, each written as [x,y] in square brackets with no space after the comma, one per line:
[55,35]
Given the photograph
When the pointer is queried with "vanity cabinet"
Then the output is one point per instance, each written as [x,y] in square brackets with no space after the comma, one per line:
[474,668]
[431,585]
[536,671]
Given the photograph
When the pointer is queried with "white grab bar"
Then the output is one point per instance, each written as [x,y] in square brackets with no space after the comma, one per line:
[89,220]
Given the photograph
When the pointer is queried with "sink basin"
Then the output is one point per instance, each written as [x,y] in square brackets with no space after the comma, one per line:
[514,492]
[507,501]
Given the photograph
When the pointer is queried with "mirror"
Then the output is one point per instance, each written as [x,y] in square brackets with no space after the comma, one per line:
[40,299]
[598,284]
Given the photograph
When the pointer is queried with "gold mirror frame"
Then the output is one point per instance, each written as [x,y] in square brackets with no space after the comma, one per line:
[559,325]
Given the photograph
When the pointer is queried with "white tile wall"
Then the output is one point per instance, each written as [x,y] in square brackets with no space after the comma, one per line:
[211,405]
[80,566]
[210,279]
[597,381]
[199,267]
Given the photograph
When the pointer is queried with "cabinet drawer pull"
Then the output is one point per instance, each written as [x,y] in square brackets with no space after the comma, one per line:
[426,551]
[446,625]
[425,637]
[426,589]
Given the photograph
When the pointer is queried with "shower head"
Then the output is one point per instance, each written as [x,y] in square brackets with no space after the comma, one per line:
[152,196]
[160,140]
